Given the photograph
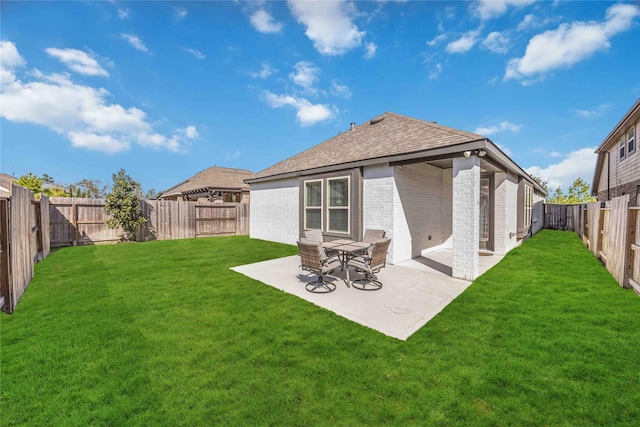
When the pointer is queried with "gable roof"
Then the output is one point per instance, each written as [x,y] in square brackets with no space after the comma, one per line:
[386,135]
[216,178]
[611,140]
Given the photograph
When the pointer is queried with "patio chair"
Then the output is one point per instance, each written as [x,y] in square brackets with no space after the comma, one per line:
[314,259]
[316,235]
[369,264]
[371,235]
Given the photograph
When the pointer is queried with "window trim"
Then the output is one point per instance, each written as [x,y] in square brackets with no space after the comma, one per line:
[356,179]
[328,207]
[630,136]
[622,146]
[305,207]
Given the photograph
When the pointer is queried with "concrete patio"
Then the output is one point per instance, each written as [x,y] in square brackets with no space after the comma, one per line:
[413,293]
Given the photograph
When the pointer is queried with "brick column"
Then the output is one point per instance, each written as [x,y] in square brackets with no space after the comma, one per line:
[466,211]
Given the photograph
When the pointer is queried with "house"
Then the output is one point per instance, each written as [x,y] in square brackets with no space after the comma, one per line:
[618,166]
[5,184]
[213,184]
[429,186]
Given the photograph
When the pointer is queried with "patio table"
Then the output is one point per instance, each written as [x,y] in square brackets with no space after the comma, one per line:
[347,249]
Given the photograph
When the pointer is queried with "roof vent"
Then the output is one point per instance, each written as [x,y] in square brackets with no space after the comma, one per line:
[353,125]
[376,120]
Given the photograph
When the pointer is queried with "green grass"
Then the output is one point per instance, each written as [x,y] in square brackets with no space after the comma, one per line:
[163,333]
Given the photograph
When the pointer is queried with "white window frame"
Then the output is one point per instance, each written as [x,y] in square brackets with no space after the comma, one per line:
[348,207]
[528,205]
[631,138]
[622,144]
[321,207]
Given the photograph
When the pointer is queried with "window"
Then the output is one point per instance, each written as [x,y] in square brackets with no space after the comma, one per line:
[327,204]
[622,145]
[313,204]
[338,205]
[631,139]
[528,205]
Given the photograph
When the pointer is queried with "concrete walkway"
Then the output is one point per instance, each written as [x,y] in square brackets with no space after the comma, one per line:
[413,293]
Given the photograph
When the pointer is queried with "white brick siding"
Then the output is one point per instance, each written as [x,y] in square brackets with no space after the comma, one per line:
[419,210]
[275,211]
[378,202]
[466,210]
[506,208]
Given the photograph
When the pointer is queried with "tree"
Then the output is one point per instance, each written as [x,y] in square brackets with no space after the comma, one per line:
[544,183]
[47,179]
[31,182]
[579,192]
[151,194]
[558,197]
[91,188]
[123,205]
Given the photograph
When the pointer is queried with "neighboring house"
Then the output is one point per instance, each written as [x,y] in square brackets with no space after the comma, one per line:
[5,184]
[618,166]
[213,184]
[429,186]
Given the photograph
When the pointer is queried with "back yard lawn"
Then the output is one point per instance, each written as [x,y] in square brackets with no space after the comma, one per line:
[163,333]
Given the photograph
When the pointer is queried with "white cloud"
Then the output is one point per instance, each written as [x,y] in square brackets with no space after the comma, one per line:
[488,9]
[196,53]
[370,50]
[78,61]
[307,113]
[264,72]
[263,22]
[496,42]
[233,155]
[191,132]
[329,24]
[436,72]
[135,42]
[464,43]
[123,13]
[501,127]
[10,59]
[570,43]
[340,90]
[81,113]
[580,163]
[180,12]
[597,112]
[306,76]
[437,40]
[531,21]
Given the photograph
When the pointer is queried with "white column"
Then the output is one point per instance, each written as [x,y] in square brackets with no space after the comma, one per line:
[466,212]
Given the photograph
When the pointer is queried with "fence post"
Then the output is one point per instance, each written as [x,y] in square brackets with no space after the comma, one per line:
[5,274]
[74,224]
[630,254]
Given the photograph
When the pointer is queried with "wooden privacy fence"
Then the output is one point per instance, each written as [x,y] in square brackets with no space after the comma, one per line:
[610,232]
[181,220]
[79,221]
[24,240]
[76,221]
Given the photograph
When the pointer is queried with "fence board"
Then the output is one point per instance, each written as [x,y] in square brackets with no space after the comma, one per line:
[21,222]
[79,221]
[617,238]
[5,277]
[45,228]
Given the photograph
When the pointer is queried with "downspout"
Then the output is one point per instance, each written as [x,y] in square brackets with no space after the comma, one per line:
[608,175]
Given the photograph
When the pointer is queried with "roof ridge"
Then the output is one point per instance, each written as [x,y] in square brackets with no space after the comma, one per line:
[436,125]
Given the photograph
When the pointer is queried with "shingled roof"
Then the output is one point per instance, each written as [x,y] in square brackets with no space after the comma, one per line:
[386,135]
[215,178]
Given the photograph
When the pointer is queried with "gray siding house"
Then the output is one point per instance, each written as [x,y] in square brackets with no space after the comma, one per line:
[429,186]
[618,166]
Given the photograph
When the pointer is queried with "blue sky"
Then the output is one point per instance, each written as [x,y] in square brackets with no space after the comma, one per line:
[167,89]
